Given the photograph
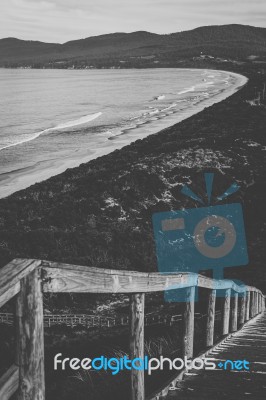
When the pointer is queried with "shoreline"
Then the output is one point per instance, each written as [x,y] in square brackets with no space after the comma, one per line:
[99,214]
[15,181]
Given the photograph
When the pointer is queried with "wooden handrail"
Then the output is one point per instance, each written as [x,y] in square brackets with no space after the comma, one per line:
[28,279]
[67,278]
[9,383]
[11,276]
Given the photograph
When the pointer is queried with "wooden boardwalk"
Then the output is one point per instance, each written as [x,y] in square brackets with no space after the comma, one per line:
[26,281]
[248,343]
[93,321]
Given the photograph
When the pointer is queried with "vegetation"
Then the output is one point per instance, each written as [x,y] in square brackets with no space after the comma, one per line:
[233,43]
[99,214]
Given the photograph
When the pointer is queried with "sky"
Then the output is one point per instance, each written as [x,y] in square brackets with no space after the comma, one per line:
[63,20]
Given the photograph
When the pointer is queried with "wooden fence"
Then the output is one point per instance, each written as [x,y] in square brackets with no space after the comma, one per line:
[26,280]
[99,321]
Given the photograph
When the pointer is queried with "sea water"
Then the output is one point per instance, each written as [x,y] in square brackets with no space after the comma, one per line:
[53,119]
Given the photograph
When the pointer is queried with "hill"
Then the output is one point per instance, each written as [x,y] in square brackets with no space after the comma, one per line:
[99,214]
[137,49]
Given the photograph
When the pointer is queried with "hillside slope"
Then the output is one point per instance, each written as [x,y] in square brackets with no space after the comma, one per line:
[100,213]
[236,41]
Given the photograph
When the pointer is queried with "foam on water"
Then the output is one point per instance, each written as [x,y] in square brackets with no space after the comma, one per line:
[191,89]
[129,113]
[65,125]
[76,122]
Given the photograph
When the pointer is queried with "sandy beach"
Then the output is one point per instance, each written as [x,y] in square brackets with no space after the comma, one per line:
[23,178]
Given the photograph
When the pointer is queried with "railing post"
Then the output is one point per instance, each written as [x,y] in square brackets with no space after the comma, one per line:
[210,317]
[252,304]
[188,322]
[242,303]
[257,303]
[226,311]
[30,340]
[247,313]
[137,344]
[234,309]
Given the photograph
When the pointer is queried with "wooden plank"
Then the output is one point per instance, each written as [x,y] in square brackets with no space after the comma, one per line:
[234,312]
[223,284]
[29,317]
[80,279]
[137,344]
[76,279]
[10,277]
[252,304]
[226,311]
[247,307]
[220,384]
[242,303]
[210,317]
[188,322]
[255,304]
[261,299]
[8,293]
[9,383]
[66,278]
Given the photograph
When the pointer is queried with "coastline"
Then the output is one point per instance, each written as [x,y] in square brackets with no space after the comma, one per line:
[99,214]
[17,180]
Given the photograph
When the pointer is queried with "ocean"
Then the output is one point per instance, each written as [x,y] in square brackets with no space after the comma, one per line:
[55,119]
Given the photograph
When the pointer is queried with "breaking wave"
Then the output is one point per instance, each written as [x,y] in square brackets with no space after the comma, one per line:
[64,125]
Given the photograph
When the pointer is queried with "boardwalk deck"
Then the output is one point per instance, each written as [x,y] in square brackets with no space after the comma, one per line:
[249,343]
[27,280]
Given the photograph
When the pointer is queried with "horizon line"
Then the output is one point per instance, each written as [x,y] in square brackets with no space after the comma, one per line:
[128,33]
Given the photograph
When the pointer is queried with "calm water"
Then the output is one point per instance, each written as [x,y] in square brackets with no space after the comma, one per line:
[49,116]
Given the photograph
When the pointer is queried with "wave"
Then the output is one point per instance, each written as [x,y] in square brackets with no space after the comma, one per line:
[80,121]
[191,89]
[69,124]
[152,113]
[160,97]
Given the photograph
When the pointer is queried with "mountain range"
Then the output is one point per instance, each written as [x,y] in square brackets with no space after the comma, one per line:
[227,41]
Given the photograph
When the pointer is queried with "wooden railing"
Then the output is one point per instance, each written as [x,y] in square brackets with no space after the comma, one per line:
[98,321]
[28,279]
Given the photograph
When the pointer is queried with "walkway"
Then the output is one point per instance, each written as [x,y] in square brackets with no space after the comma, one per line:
[249,343]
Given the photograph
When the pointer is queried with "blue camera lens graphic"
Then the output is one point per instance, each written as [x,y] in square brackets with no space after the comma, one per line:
[198,239]
[214,237]
[223,227]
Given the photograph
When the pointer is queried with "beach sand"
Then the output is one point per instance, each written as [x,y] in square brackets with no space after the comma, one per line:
[21,179]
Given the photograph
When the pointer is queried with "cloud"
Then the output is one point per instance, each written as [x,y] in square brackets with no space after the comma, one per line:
[63,20]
